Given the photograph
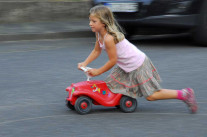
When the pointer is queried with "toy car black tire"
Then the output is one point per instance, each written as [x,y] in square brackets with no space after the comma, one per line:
[83,105]
[69,105]
[128,104]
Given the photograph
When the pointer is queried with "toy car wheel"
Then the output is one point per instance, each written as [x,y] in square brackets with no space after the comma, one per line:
[83,105]
[128,104]
[69,105]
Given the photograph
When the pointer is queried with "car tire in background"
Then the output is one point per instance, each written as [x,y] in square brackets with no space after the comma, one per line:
[128,31]
[200,34]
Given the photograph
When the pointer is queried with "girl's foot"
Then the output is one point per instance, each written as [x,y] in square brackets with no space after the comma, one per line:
[189,96]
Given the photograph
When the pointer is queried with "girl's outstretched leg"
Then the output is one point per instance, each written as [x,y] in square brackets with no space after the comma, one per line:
[186,95]
[163,94]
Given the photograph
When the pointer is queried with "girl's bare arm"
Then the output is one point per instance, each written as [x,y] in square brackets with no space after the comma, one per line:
[92,56]
[112,55]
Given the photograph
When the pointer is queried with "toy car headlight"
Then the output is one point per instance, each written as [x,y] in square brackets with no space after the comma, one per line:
[72,91]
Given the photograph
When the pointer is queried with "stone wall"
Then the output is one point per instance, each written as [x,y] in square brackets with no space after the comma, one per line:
[32,11]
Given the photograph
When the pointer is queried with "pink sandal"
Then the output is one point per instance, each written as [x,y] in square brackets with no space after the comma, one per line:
[190,99]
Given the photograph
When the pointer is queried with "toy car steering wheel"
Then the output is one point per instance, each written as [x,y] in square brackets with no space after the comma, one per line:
[86,73]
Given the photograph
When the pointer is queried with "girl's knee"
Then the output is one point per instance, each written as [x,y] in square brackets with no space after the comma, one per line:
[150,98]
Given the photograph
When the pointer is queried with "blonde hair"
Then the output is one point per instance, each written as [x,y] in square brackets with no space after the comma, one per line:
[106,17]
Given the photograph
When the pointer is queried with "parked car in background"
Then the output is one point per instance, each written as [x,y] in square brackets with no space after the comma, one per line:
[161,16]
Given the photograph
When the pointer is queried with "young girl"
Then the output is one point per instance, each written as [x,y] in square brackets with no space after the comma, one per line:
[134,75]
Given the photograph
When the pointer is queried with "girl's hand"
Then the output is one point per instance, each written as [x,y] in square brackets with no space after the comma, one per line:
[81,65]
[93,72]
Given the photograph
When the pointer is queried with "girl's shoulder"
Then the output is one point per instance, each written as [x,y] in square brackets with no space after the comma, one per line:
[117,37]
[109,39]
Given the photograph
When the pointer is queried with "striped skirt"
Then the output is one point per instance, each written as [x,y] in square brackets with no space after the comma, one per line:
[143,81]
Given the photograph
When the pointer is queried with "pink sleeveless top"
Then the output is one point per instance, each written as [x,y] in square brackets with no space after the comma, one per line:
[129,56]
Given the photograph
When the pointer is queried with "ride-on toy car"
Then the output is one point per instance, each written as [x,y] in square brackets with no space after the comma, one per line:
[83,94]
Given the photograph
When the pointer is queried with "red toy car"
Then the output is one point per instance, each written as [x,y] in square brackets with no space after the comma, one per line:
[82,95]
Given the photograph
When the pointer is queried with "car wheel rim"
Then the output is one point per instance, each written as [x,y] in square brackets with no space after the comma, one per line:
[128,103]
[84,105]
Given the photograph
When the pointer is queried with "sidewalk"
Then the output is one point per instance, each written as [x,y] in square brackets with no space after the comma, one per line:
[45,30]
